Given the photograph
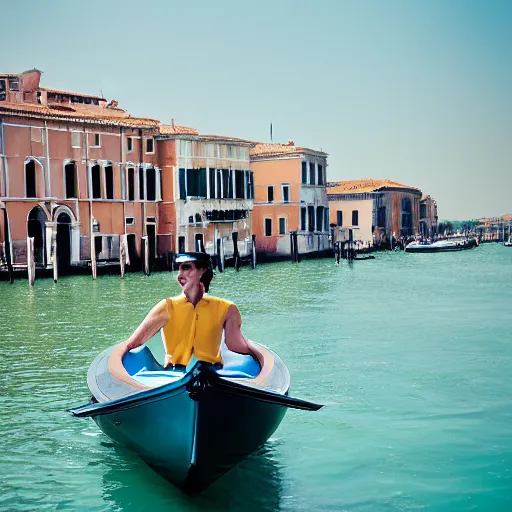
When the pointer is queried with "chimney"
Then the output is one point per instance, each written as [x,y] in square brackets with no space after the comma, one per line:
[291,143]
[172,123]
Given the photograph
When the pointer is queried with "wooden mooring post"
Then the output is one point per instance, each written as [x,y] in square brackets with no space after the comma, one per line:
[94,267]
[7,242]
[236,254]
[122,256]
[253,255]
[296,247]
[145,255]
[55,262]
[31,262]
[220,254]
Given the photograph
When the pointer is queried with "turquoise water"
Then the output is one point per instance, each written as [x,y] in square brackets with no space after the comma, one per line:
[411,353]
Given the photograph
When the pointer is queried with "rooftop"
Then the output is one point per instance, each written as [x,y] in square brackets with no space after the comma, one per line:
[363,186]
[174,129]
[262,149]
[69,93]
[83,113]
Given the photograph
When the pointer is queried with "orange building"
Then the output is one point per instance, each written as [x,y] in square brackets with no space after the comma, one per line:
[290,199]
[77,174]
[207,191]
[394,208]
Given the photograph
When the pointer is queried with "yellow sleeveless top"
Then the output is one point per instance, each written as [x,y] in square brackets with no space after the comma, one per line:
[194,330]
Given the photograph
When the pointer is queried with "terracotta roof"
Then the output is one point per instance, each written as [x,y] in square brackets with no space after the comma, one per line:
[166,129]
[83,113]
[69,93]
[363,186]
[275,149]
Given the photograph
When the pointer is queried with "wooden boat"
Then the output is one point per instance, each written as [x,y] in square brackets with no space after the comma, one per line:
[444,245]
[191,425]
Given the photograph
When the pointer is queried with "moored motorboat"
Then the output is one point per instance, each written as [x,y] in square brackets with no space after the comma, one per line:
[508,243]
[444,245]
[194,424]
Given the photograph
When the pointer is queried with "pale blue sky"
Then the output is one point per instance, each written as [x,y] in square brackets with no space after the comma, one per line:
[414,91]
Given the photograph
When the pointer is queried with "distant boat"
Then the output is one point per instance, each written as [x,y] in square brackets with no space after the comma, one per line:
[508,243]
[194,424]
[445,245]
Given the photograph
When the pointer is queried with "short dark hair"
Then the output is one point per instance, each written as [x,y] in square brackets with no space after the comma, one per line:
[207,277]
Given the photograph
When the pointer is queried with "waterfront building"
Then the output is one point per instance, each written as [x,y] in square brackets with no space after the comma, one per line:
[208,191]
[494,229]
[290,201]
[428,225]
[373,210]
[78,175]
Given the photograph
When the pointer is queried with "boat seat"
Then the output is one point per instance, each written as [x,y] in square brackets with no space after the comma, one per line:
[144,368]
[239,366]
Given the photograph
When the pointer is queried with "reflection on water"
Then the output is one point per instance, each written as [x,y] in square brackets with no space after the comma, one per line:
[253,486]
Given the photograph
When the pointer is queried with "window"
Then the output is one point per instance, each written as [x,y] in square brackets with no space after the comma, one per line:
[199,242]
[320,175]
[185,148]
[129,144]
[268,227]
[181,244]
[141,184]
[304,172]
[96,181]
[14,84]
[150,146]
[30,179]
[109,182]
[319,218]
[239,184]
[151,184]
[76,140]
[381,217]
[250,184]
[210,150]
[406,212]
[196,182]
[423,211]
[282,225]
[286,193]
[97,141]
[339,218]
[355,217]
[131,184]
[70,177]
[312,173]
[36,134]
[182,184]
[211,182]
[130,221]
[303,218]
[270,194]
[311,218]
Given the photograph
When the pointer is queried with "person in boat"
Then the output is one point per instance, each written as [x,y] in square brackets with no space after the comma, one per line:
[193,323]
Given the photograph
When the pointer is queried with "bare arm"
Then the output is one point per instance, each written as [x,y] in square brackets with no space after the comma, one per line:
[153,322]
[235,340]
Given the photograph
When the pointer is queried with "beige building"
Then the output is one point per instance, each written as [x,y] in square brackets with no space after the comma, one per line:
[395,209]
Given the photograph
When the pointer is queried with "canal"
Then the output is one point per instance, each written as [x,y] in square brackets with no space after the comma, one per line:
[410,353]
